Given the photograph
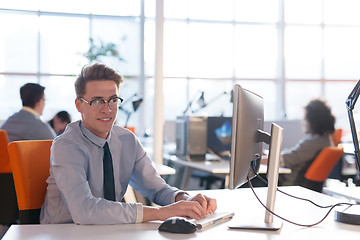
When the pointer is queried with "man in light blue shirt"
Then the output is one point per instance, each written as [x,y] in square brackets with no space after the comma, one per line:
[75,190]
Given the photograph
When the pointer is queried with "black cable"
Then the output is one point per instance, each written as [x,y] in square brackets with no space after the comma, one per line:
[288,194]
[289,221]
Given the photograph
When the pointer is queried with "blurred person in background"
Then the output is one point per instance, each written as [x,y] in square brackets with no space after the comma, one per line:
[318,124]
[60,121]
[26,124]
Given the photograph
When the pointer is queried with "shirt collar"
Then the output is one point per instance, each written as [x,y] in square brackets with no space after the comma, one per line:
[30,110]
[92,137]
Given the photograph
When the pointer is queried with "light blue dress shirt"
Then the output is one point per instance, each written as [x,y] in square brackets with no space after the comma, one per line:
[75,185]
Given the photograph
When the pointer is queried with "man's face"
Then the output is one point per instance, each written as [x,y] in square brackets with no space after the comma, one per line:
[98,121]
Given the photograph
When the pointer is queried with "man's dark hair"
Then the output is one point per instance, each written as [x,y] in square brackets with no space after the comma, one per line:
[31,93]
[96,72]
[319,117]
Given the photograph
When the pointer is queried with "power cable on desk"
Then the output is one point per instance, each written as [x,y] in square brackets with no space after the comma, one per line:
[289,221]
[296,197]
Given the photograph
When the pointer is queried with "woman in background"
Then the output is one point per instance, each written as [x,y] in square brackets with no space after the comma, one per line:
[318,124]
[60,121]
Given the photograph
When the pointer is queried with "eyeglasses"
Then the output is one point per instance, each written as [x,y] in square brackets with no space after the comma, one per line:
[99,103]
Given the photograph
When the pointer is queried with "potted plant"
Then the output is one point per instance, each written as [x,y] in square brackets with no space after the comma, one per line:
[98,50]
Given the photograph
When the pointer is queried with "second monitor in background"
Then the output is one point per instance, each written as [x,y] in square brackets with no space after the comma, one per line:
[219,136]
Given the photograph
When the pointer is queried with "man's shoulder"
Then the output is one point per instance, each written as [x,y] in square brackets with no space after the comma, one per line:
[35,124]
[68,142]
[122,133]
[312,139]
[25,126]
[71,147]
[71,134]
[121,130]
[20,115]
[25,117]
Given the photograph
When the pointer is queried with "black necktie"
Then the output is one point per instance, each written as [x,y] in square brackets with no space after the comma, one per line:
[109,186]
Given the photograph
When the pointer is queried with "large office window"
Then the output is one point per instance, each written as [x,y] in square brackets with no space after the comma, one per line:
[44,42]
[288,51]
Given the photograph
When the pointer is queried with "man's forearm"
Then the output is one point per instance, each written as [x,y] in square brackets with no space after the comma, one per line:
[151,214]
[156,213]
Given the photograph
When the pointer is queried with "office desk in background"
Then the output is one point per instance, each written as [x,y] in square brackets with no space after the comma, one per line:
[163,169]
[131,196]
[348,161]
[219,168]
[351,193]
[240,201]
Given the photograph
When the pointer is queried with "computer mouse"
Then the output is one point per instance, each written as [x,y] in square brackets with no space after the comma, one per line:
[177,225]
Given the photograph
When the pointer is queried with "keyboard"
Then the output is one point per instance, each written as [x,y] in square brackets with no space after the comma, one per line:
[212,219]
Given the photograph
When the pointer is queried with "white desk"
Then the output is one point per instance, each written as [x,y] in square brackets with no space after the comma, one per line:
[348,148]
[241,201]
[352,193]
[216,167]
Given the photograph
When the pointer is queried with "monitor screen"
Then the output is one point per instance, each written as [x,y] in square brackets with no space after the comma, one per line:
[219,135]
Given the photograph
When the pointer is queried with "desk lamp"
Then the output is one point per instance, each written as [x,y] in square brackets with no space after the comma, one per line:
[201,101]
[188,107]
[135,105]
[347,216]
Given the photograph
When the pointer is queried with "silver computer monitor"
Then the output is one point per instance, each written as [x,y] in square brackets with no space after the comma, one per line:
[246,151]
[247,137]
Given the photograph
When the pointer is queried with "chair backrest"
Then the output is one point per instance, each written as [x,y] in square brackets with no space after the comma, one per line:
[321,167]
[30,163]
[9,212]
[5,166]
[336,136]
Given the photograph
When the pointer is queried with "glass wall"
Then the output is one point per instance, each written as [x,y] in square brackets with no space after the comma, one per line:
[288,51]
[45,42]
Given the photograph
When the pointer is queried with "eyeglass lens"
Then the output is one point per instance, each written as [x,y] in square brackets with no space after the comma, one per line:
[113,103]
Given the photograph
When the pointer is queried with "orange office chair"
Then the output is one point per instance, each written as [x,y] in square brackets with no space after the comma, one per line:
[5,166]
[8,203]
[336,173]
[30,163]
[321,167]
[336,136]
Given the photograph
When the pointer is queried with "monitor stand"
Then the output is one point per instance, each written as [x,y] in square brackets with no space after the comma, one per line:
[268,223]
[349,215]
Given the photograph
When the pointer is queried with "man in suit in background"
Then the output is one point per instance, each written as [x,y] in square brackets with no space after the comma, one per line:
[26,124]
